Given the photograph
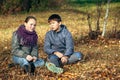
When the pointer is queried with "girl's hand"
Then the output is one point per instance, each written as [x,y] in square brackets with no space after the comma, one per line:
[34,58]
[29,58]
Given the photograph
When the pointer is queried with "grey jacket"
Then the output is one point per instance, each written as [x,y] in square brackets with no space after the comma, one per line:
[20,50]
[59,41]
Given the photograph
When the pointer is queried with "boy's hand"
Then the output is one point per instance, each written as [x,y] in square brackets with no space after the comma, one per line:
[64,59]
[58,54]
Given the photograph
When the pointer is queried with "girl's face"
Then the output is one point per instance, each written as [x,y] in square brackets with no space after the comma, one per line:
[30,25]
[54,25]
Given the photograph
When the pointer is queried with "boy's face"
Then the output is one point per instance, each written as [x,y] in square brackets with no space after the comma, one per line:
[54,25]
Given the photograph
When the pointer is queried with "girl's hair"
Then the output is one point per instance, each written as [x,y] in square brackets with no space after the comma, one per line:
[55,17]
[30,17]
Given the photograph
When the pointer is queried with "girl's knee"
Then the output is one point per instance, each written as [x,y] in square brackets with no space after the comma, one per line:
[39,62]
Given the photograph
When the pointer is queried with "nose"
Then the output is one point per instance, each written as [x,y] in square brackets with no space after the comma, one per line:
[33,26]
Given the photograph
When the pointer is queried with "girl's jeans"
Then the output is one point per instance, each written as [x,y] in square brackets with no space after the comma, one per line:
[23,61]
[76,56]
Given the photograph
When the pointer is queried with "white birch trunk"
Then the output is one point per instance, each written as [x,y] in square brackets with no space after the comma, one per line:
[105,20]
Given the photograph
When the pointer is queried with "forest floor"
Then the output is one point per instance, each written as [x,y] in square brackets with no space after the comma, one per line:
[101,61]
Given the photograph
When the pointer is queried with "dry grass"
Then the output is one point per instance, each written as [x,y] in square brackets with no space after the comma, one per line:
[101,57]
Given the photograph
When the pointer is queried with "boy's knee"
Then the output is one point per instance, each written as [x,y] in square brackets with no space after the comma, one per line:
[79,55]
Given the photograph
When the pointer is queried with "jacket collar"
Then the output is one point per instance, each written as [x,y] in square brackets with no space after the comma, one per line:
[61,28]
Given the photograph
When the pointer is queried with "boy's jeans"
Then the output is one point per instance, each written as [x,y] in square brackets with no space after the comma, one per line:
[76,56]
[23,61]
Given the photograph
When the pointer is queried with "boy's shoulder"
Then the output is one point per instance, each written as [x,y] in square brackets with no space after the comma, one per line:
[49,33]
[64,29]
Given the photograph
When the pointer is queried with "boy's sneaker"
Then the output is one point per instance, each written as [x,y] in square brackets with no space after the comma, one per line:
[53,68]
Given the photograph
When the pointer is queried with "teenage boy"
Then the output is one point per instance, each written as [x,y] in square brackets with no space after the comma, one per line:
[59,45]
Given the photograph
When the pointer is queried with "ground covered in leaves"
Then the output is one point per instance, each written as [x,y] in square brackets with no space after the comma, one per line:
[101,61]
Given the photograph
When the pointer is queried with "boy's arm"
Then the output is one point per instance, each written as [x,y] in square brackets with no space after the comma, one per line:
[69,45]
[16,47]
[47,45]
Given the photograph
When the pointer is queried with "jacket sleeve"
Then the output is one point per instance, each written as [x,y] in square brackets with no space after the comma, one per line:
[35,51]
[47,45]
[69,44]
[16,47]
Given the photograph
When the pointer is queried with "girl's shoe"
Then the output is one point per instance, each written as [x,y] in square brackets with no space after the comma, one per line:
[26,69]
[32,68]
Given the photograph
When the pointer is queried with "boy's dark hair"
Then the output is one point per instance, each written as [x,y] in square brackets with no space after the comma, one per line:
[30,17]
[55,17]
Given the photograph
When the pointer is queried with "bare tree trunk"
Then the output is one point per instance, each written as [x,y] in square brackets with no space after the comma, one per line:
[89,22]
[98,15]
[105,20]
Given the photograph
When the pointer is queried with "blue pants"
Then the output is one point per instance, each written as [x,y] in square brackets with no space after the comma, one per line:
[76,56]
[23,61]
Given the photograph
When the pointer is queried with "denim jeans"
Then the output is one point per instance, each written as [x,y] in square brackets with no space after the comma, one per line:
[23,61]
[76,56]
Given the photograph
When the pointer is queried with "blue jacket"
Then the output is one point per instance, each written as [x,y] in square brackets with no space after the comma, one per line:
[59,41]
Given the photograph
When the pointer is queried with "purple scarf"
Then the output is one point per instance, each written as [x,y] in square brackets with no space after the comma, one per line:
[27,38]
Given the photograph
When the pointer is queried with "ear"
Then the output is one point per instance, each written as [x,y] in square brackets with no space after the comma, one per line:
[60,23]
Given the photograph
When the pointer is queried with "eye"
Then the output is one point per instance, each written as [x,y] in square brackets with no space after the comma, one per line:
[33,24]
